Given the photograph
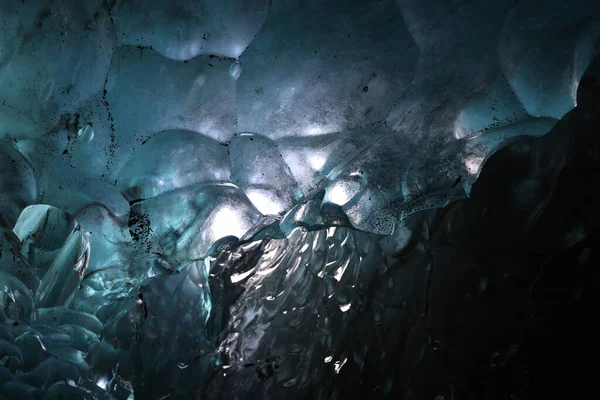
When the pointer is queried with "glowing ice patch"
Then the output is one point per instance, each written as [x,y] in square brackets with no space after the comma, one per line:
[341,192]
[316,129]
[264,203]
[339,364]
[473,164]
[226,222]
[102,383]
[316,161]
[459,130]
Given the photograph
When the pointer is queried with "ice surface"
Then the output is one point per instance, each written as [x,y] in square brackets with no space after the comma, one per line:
[257,168]
[333,77]
[18,184]
[54,56]
[65,187]
[43,226]
[545,56]
[43,230]
[13,262]
[185,29]
[169,315]
[17,302]
[179,159]
[310,284]
[182,225]
[108,235]
[59,283]
[288,199]
[198,95]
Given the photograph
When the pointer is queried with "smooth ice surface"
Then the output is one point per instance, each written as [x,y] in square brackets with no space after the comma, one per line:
[13,262]
[18,184]
[198,95]
[62,279]
[45,226]
[182,225]
[185,29]
[544,56]
[63,186]
[179,159]
[257,168]
[55,55]
[346,69]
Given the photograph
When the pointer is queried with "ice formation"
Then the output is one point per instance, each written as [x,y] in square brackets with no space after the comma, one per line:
[264,199]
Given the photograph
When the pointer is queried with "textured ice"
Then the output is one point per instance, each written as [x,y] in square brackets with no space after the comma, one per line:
[289,199]
[304,291]
[18,184]
[257,168]
[185,29]
[333,77]
[43,230]
[59,283]
[169,341]
[179,159]
[55,55]
[198,95]
[182,225]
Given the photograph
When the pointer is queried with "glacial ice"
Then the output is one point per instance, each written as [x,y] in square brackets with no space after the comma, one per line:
[182,225]
[55,56]
[345,71]
[186,29]
[179,159]
[257,168]
[17,183]
[284,199]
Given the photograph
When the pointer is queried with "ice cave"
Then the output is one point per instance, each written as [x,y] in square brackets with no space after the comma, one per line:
[299,199]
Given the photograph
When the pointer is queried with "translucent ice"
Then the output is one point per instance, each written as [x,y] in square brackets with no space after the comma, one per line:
[198,95]
[332,77]
[18,184]
[257,167]
[43,230]
[179,159]
[54,56]
[108,236]
[13,262]
[544,56]
[182,225]
[270,199]
[184,30]
[62,279]
[45,226]
[65,187]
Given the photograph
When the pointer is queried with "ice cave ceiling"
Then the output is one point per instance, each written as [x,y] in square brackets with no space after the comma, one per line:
[293,199]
